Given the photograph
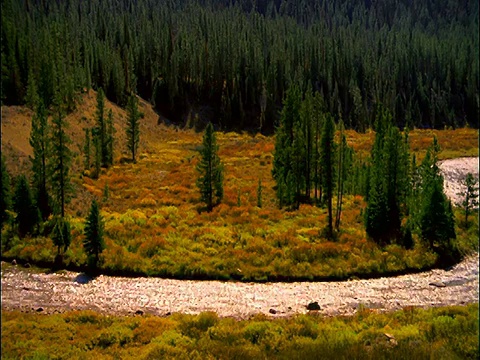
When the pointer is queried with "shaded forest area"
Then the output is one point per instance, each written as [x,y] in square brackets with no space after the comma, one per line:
[231,62]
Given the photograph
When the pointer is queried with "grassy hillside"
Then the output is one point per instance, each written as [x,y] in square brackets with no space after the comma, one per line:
[153,221]
[411,333]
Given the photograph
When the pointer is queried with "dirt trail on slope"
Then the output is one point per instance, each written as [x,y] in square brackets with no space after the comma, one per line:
[27,290]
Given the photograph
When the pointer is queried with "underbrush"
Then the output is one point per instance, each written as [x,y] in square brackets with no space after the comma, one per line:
[237,243]
[411,333]
[154,226]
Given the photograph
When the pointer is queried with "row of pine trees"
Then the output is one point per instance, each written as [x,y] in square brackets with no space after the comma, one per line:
[39,204]
[313,165]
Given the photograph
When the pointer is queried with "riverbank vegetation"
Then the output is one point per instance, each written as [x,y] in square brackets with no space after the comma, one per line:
[411,333]
[154,226]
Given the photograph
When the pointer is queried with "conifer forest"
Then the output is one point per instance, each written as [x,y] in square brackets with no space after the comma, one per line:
[261,146]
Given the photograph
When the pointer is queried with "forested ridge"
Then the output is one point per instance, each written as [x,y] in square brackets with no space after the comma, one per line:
[231,62]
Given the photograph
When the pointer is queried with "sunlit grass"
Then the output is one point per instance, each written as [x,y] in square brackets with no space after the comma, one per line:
[154,226]
[436,333]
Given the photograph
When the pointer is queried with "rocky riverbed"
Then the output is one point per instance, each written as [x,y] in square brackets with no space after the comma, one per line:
[30,290]
[26,290]
[454,172]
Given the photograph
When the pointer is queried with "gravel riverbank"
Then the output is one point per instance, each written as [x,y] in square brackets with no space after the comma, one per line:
[57,292]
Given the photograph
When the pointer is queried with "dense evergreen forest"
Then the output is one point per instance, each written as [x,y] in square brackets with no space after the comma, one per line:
[231,62]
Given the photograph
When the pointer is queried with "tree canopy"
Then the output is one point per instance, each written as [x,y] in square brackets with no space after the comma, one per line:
[238,57]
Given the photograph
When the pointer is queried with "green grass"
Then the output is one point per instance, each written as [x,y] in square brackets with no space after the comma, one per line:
[436,333]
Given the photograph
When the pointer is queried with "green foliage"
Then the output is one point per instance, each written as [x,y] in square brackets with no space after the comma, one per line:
[210,168]
[287,162]
[470,196]
[436,221]
[94,243]
[86,150]
[61,234]
[388,181]
[110,138]
[28,216]
[39,142]
[327,151]
[104,131]
[248,53]
[97,145]
[5,195]
[133,126]
[440,333]
[32,100]
[58,164]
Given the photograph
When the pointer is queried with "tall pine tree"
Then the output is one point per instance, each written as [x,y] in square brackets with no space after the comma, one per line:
[5,195]
[27,213]
[93,242]
[133,126]
[437,224]
[328,167]
[287,171]
[39,142]
[102,129]
[210,168]
[59,163]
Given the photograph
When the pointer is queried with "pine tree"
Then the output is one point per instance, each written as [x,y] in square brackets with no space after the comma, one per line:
[27,213]
[61,235]
[59,164]
[94,243]
[383,213]
[32,99]
[133,126]
[5,195]
[39,143]
[286,168]
[437,224]
[344,162]
[86,150]
[101,129]
[259,194]
[328,169]
[210,182]
[318,119]
[97,146]
[470,196]
[110,137]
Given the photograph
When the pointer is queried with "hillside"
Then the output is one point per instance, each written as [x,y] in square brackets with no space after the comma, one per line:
[233,62]
[167,155]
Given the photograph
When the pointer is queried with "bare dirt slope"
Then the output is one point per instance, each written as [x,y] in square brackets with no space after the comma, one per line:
[16,127]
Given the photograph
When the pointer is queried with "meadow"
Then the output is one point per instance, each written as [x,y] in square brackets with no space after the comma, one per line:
[411,333]
[155,226]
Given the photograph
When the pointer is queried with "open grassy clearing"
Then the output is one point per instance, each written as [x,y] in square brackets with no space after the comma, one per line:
[154,225]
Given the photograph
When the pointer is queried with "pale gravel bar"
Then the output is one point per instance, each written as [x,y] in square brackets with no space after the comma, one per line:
[25,290]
